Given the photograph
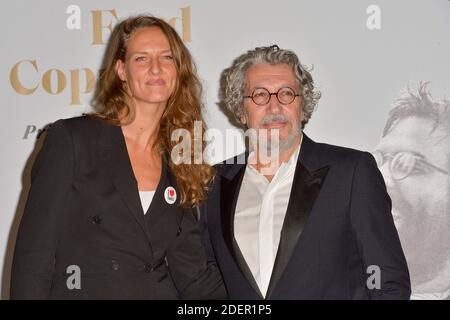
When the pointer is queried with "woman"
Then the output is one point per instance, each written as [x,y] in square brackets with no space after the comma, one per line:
[109,215]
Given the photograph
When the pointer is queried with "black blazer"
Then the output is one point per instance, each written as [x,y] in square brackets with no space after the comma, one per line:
[338,223]
[84,209]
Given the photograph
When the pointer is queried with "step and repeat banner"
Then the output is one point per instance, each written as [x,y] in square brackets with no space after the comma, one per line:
[382,68]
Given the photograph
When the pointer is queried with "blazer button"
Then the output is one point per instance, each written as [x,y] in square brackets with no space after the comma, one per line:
[148,268]
[115,265]
[96,219]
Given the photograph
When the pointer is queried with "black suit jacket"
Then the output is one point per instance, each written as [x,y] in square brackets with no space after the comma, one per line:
[84,209]
[338,223]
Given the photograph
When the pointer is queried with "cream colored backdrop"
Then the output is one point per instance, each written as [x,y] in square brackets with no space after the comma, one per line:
[363,57]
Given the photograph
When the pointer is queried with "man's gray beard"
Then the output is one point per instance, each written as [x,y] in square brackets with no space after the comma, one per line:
[279,147]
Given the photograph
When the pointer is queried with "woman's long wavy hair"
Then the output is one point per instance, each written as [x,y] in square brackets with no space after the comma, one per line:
[112,101]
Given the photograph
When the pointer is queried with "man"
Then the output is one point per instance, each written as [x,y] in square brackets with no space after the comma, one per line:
[414,158]
[319,226]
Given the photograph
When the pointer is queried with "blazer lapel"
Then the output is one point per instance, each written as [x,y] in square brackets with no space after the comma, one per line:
[118,166]
[305,189]
[160,205]
[229,191]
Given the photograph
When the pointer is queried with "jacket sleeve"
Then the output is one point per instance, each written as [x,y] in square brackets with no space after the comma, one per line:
[192,264]
[42,221]
[376,235]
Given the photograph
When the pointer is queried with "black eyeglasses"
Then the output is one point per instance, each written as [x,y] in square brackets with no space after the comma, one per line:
[403,163]
[261,96]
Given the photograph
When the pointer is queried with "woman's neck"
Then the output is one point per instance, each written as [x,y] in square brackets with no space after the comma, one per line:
[142,131]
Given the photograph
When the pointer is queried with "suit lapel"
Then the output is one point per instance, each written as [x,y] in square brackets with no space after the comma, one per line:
[159,205]
[305,189]
[229,192]
[118,166]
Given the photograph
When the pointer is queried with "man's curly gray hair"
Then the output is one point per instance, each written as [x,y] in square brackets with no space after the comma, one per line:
[235,79]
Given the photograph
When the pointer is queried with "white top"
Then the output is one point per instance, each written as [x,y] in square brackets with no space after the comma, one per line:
[146,199]
[259,217]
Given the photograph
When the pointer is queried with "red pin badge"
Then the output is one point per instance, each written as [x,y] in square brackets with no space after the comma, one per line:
[170,195]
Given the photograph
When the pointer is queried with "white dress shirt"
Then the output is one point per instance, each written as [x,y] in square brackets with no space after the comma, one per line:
[259,216]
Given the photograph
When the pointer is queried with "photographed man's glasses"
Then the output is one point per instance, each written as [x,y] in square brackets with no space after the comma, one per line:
[261,96]
[402,164]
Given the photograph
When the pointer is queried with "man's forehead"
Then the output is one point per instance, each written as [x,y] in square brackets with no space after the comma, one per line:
[267,75]
[268,71]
